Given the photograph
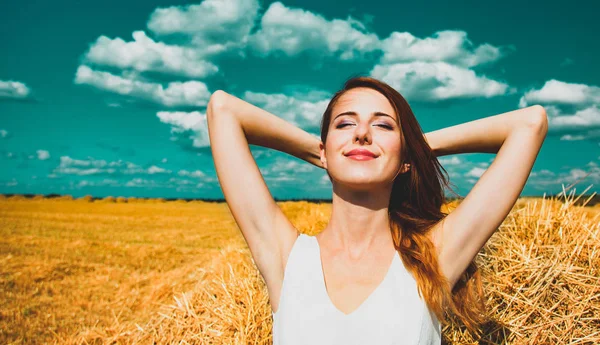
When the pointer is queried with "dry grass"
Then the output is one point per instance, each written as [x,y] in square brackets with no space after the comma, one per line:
[68,266]
[110,272]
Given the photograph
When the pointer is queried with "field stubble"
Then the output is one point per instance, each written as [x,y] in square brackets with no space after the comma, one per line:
[81,272]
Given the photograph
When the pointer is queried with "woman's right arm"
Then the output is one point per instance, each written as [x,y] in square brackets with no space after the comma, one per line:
[232,125]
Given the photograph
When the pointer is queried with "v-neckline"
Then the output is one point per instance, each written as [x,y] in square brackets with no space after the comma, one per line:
[366,300]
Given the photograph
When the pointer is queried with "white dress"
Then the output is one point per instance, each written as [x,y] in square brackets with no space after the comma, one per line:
[393,313]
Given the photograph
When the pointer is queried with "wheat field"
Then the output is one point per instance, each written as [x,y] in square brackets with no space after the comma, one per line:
[136,271]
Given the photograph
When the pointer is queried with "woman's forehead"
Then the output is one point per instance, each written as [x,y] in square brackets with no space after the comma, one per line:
[363,101]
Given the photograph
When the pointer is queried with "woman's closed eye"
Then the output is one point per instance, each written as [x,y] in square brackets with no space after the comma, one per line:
[384,125]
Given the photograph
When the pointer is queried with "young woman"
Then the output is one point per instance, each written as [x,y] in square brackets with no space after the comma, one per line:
[389,265]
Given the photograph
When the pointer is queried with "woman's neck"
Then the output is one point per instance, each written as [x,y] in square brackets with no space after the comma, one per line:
[359,222]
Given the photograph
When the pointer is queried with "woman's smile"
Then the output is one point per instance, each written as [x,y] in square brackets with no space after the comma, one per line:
[361,157]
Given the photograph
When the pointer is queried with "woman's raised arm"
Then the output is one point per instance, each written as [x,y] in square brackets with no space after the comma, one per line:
[232,125]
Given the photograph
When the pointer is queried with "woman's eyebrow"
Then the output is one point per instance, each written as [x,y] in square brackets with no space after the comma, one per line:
[352,113]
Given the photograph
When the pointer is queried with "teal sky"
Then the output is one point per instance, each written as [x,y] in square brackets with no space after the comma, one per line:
[108,98]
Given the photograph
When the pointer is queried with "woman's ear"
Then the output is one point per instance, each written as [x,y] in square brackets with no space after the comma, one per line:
[322,152]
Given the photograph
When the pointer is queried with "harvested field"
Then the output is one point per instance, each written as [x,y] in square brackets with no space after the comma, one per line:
[138,271]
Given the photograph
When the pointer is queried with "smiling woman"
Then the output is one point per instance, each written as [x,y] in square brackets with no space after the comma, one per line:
[390,265]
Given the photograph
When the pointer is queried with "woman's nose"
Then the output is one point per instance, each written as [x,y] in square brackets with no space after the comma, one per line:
[362,133]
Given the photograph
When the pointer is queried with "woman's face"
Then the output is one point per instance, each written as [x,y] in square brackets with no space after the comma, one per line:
[362,119]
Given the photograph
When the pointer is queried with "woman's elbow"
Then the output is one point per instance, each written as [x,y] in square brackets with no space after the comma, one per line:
[217,102]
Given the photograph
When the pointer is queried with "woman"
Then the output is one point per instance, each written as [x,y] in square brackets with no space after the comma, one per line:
[389,264]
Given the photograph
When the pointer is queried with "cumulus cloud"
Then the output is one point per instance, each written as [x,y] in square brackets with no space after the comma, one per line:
[304,111]
[190,93]
[454,160]
[573,109]
[13,182]
[430,69]
[91,166]
[179,184]
[184,122]
[294,30]
[449,46]
[156,170]
[475,172]
[3,133]
[287,171]
[43,154]
[225,22]
[14,90]
[436,81]
[144,54]
[558,92]
[196,173]
[545,179]
[103,182]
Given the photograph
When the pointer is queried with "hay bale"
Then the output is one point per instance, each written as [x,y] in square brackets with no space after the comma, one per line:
[86,198]
[106,200]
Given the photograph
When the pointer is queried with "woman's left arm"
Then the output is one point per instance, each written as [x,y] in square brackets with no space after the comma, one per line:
[517,138]
[484,135]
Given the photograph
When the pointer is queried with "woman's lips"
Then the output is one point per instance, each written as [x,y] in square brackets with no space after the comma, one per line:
[361,157]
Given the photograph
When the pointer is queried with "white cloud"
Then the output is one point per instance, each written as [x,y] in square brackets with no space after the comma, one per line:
[454,160]
[294,30]
[190,93]
[573,109]
[448,46]
[157,170]
[287,169]
[140,182]
[144,54]
[304,111]
[13,182]
[555,91]
[225,22]
[43,154]
[91,166]
[3,133]
[196,173]
[582,177]
[291,167]
[435,81]
[104,182]
[475,172]
[543,172]
[14,90]
[180,184]
[428,69]
[182,121]
[582,119]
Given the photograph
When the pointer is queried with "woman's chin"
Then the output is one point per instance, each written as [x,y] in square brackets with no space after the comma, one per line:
[360,183]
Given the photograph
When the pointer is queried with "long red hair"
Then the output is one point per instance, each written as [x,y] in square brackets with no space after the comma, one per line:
[415,207]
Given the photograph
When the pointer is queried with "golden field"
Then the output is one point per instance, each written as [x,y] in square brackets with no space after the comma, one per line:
[133,271]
